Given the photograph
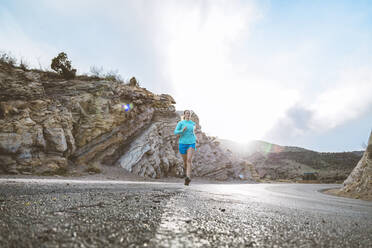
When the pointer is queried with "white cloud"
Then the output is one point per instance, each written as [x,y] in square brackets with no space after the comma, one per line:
[343,102]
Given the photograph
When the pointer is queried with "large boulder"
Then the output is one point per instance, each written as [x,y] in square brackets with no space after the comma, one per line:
[359,182]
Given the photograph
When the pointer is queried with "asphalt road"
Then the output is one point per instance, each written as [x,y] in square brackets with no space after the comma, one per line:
[73,213]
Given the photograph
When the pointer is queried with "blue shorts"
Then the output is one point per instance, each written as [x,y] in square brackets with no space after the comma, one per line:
[183,147]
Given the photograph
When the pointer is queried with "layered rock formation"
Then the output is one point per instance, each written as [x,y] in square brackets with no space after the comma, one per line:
[359,182]
[48,125]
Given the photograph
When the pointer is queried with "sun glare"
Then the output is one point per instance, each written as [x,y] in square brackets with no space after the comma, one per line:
[207,80]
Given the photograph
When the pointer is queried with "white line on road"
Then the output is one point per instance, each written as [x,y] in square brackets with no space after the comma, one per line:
[172,230]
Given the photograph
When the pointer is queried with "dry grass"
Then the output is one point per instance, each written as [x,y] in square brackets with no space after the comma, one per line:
[61,171]
[93,168]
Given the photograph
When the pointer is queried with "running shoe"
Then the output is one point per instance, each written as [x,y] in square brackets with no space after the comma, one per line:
[187,181]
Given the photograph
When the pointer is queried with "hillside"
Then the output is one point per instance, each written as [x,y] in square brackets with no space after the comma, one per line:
[282,162]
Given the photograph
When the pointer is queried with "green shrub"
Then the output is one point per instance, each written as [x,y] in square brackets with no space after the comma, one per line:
[63,66]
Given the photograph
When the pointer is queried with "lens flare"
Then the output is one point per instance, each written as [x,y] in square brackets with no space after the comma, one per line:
[267,149]
[271,148]
[127,107]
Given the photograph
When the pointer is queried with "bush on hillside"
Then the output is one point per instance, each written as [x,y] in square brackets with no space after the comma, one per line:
[114,76]
[7,58]
[96,71]
[62,66]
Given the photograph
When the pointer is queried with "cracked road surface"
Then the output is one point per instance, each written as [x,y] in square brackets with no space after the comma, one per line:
[83,213]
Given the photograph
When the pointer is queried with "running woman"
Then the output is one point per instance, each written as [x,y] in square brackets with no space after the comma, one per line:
[186,143]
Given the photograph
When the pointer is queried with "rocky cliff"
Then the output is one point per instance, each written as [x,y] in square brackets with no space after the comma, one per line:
[49,125]
[359,182]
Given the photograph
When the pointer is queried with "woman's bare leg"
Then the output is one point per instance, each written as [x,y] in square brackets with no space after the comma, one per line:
[190,152]
[184,157]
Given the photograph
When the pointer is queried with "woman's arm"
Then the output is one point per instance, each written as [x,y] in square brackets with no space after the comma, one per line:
[178,129]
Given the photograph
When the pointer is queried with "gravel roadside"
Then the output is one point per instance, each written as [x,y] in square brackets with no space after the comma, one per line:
[79,215]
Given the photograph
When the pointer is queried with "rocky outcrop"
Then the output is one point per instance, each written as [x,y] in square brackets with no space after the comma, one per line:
[154,153]
[49,125]
[359,182]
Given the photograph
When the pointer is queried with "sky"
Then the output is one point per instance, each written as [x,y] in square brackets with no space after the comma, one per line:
[295,73]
